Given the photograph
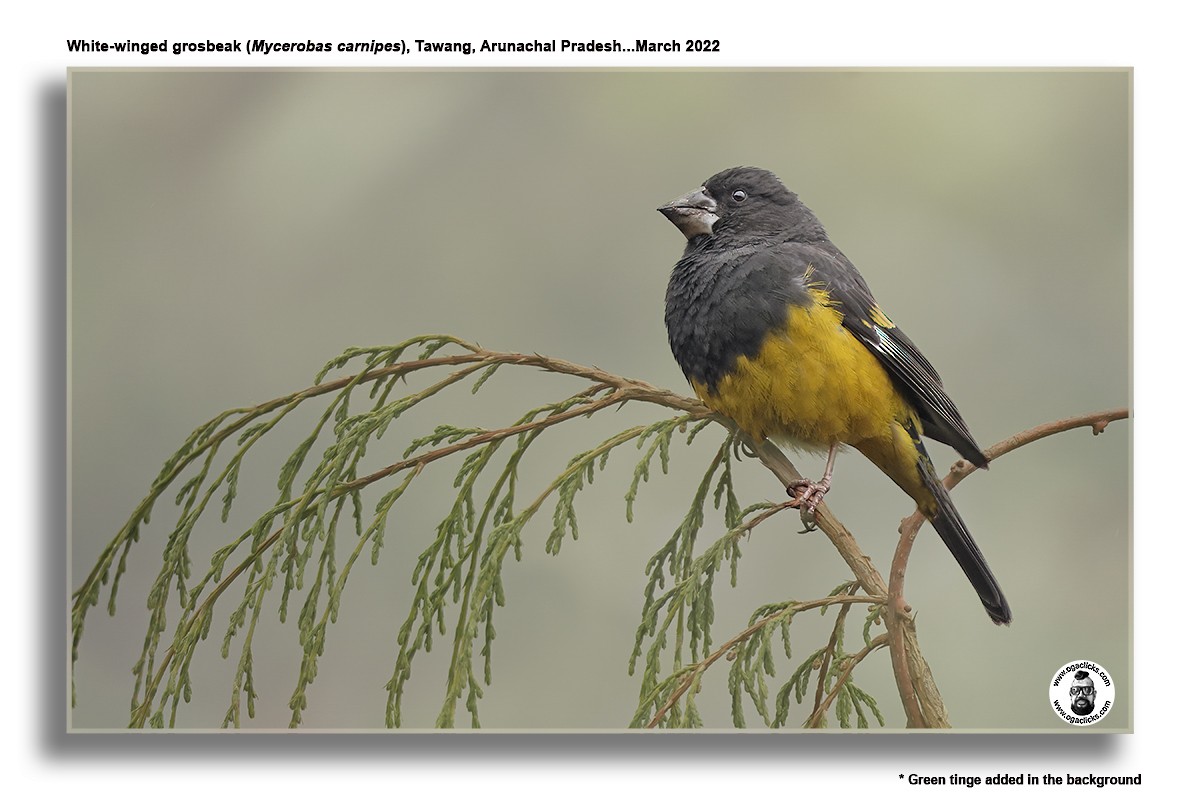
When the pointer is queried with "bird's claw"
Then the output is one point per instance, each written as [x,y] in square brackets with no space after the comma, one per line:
[742,447]
[807,495]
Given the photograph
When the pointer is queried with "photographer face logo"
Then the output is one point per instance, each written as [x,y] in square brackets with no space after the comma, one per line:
[1082,692]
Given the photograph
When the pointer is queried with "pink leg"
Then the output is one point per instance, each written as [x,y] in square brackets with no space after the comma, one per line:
[808,494]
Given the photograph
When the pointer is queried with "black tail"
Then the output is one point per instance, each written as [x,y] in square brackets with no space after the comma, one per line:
[953,531]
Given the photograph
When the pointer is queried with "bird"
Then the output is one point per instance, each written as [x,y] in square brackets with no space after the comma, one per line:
[776,329]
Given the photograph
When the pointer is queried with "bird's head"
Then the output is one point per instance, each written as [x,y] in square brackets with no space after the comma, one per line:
[740,202]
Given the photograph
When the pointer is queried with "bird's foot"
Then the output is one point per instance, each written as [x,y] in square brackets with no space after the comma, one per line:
[807,495]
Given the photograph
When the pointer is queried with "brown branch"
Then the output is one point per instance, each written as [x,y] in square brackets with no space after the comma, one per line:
[631,390]
[877,642]
[746,528]
[482,438]
[830,649]
[869,578]
[900,625]
[417,463]
[143,709]
[623,391]
[898,610]
[864,571]
[695,670]
[1097,421]
[918,692]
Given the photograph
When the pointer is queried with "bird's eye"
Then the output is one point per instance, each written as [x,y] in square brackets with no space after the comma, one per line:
[738,196]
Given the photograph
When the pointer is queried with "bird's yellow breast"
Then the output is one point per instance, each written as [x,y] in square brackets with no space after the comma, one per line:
[811,383]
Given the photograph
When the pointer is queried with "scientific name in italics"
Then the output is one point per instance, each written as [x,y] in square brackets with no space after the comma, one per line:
[392,47]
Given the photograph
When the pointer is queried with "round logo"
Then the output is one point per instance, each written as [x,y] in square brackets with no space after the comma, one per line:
[1082,692]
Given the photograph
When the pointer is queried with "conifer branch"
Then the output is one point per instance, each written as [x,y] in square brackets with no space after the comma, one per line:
[923,706]
[686,677]
[458,576]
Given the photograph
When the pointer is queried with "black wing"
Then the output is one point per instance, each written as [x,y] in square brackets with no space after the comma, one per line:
[916,377]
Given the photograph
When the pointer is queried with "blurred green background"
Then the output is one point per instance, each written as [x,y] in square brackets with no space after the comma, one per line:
[231,231]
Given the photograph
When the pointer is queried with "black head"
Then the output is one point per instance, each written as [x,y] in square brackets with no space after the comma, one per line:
[742,202]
